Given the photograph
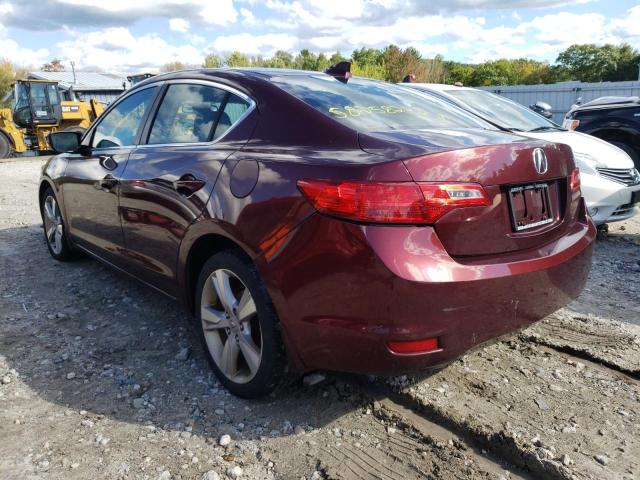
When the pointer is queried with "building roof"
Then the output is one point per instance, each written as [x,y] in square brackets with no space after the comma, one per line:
[83,80]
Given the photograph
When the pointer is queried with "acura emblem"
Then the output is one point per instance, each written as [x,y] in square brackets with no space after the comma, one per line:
[540,161]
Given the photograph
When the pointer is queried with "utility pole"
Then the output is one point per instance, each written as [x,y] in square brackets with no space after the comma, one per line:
[73,70]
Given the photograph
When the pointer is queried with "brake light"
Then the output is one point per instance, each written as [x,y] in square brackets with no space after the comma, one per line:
[393,202]
[574,180]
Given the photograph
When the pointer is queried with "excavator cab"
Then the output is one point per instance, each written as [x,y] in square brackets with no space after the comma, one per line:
[36,103]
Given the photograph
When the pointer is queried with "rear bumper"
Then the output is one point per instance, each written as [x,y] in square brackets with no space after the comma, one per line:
[343,291]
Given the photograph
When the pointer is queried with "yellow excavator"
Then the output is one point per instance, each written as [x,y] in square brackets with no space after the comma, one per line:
[36,112]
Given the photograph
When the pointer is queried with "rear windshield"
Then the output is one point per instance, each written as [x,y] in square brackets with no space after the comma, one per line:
[501,110]
[373,106]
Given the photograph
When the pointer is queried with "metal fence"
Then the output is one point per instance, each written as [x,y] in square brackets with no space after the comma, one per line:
[561,96]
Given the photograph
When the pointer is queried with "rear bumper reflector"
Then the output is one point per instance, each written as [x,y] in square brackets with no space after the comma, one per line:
[426,345]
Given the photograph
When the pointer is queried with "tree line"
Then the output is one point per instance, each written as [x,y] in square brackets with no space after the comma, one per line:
[587,62]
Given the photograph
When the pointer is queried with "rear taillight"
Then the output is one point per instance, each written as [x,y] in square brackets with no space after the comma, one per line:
[399,203]
[574,180]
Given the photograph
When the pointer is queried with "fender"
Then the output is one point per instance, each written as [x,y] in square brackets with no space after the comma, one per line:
[227,235]
[200,228]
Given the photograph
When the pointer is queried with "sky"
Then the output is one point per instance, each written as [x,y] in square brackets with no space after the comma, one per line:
[134,36]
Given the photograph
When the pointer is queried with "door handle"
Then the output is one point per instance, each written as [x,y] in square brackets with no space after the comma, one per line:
[108,162]
[108,182]
[187,185]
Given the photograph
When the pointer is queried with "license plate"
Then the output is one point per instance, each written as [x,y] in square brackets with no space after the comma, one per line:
[530,206]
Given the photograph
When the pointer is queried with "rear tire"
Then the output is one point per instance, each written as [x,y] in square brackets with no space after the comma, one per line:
[238,326]
[6,149]
[629,150]
[55,231]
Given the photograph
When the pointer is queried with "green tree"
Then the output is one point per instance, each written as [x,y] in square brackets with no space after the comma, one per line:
[369,70]
[336,58]
[400,63]
[497,72]
[173,66]
[237,59]
[282,59]
[212,61]
[322,63]
[306,60]
[592,63]
[367,56]
[457,72]
[7,77]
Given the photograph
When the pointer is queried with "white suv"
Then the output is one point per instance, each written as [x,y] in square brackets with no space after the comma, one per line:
[610,183]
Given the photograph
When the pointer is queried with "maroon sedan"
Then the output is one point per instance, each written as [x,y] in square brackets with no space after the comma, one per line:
[319,220]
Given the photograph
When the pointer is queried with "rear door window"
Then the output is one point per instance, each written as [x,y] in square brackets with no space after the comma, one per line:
[369,105]
[191,113]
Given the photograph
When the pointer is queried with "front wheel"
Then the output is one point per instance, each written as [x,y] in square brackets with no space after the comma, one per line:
[54,228]
[6,150]
[238,326]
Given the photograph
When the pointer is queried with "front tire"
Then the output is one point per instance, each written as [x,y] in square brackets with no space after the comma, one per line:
[55,233]
[238,326]
[6,150]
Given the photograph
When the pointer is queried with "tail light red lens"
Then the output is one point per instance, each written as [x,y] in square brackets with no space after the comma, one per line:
[574,180]
[398,203]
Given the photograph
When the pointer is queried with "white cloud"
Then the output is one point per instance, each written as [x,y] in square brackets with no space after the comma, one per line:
[248,18]
[219,12]
[566,28]
[255,44]
[179,25]
[50,14]
[118,50]
[24,57]
[627,26]
[102,33]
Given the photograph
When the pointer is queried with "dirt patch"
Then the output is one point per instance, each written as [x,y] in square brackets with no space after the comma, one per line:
[614,344]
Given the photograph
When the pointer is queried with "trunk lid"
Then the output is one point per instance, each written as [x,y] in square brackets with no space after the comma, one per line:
[504,165]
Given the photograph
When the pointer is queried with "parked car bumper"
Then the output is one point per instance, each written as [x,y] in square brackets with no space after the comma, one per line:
[351,289]
[607,201]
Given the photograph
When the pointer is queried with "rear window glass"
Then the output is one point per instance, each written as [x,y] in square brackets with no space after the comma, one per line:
[369,105]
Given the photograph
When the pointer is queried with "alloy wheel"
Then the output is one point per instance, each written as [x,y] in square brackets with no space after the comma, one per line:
[231,326]
[53,225]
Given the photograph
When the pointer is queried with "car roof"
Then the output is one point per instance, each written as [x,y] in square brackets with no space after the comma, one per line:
[440,87]
[607,101]
[233,73]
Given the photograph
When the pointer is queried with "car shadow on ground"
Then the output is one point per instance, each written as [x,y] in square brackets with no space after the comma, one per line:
[89,338]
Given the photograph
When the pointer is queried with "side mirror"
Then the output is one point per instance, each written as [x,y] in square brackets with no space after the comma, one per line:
[64,142]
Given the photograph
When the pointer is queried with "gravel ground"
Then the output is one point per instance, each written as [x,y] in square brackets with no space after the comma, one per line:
[99,379]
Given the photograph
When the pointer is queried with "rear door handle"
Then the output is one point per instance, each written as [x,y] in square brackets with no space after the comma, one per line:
[187,185]
[108,182]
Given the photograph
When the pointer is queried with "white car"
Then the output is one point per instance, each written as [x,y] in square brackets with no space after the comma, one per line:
[610,183]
